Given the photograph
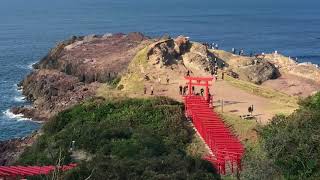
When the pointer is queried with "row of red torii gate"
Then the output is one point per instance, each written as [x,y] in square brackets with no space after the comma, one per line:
[225,148]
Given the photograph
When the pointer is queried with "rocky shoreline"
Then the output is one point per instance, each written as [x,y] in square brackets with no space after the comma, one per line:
[74,69]
[10,150]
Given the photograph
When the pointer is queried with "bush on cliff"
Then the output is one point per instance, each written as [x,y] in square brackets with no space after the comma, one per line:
[293,142]
[124,139]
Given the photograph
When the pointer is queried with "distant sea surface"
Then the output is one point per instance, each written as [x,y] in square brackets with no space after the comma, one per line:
[29,28]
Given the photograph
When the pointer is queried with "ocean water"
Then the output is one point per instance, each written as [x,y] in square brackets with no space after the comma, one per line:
[28,29]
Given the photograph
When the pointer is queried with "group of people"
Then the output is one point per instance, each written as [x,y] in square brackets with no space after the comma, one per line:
[240,52]
[211,45]
[151,87]
[151,90]
[215,69]
[183,90]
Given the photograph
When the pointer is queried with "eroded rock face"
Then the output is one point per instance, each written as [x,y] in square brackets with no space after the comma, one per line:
[94,58]
[259,72]
[253,69]
[52,91]
[197,57]
[74,69]
[163,53]
[11,150]
[194,56]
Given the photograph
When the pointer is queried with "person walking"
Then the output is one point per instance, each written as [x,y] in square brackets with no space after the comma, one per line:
[201,91]
[222,75]
[180,89]
[168,79]
[145,90]
[151,90]
[188,73]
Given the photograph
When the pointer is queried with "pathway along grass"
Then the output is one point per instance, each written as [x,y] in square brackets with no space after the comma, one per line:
[121,139]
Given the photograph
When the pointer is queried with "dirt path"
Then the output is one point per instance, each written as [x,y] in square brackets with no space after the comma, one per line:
[293,85]
[236,101]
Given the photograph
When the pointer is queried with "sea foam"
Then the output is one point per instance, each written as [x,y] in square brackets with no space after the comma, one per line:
[18,117]
[19,99]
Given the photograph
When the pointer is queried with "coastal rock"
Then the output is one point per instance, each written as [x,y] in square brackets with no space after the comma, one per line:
[197,58]
[163,53]
[308,71]
[192,55]
[10,150]
[73,70]
[50,60]
[52,91]
[93,58]
[259,72]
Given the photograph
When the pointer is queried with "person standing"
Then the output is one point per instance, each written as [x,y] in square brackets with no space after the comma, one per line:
[201,91]
[168,79]
[217,46]
[159,80]
[145,90]
[188,73]
[180,89]
[233,50]
[222,75]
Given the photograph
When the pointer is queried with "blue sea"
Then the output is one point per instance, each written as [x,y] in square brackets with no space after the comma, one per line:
[29,28]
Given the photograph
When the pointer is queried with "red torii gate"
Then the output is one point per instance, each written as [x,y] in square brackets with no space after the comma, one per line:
[200,81]
[10,172]
[225,147]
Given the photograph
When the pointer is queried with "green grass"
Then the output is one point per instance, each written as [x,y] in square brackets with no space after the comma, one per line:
[126,139]
[274,96]
[133,79]
[244,129]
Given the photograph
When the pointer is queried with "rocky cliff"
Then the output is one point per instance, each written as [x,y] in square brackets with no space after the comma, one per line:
[73,70]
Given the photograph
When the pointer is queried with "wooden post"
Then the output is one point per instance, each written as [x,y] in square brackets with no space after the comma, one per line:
[222,103]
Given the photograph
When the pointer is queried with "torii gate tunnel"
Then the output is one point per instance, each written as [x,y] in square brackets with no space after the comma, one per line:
[226,149]
[22,172]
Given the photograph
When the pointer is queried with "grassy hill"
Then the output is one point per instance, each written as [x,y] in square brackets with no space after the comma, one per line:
[121,139]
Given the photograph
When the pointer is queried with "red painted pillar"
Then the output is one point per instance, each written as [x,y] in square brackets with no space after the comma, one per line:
[190,90]
[207,90]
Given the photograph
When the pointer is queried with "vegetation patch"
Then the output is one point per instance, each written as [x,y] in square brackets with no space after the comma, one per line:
[277,97]
[121,139]
[132,81]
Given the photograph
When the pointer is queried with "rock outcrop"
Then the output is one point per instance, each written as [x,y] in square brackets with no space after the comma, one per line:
[258,72]
[251,69]
[289,66]
[193,55]
[73,70]
[10,150]
[94,58]
[52,91]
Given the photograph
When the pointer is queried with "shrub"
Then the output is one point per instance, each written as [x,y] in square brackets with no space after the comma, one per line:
[126,139]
